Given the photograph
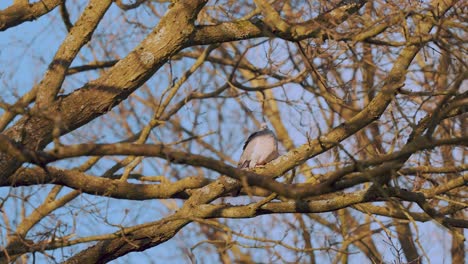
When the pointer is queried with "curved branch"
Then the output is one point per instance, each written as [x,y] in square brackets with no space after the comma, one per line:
[107,187]
[91,66]
[313,28]
[19,12]
[420,217]
[252,178]
[99,96]
[78,36]
[255,28]
[360,201]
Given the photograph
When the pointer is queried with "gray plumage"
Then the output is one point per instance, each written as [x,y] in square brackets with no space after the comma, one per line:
[260,148]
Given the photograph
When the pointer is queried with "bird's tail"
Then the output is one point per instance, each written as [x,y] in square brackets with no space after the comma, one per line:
[244,164]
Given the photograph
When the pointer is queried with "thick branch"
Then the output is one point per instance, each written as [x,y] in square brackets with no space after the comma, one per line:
[78,36]
[99,96]
[253,179]
[107,187]
[244,29]
[19,13]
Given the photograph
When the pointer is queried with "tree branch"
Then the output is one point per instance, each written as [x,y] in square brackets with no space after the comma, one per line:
[19,12]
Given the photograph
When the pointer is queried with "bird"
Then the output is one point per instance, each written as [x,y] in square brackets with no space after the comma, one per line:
[260,148]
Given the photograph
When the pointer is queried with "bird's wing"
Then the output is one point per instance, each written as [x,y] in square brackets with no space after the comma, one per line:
[267,149]
[246,156]
[249,150]
[257,134]
[260,148]
[252,136]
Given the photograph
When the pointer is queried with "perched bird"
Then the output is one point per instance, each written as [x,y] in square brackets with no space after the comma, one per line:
[260,148]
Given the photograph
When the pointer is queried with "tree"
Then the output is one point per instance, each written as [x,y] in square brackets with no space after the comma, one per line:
[130,136]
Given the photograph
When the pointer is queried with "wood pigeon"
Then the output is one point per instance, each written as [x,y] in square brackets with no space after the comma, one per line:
[260,148]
